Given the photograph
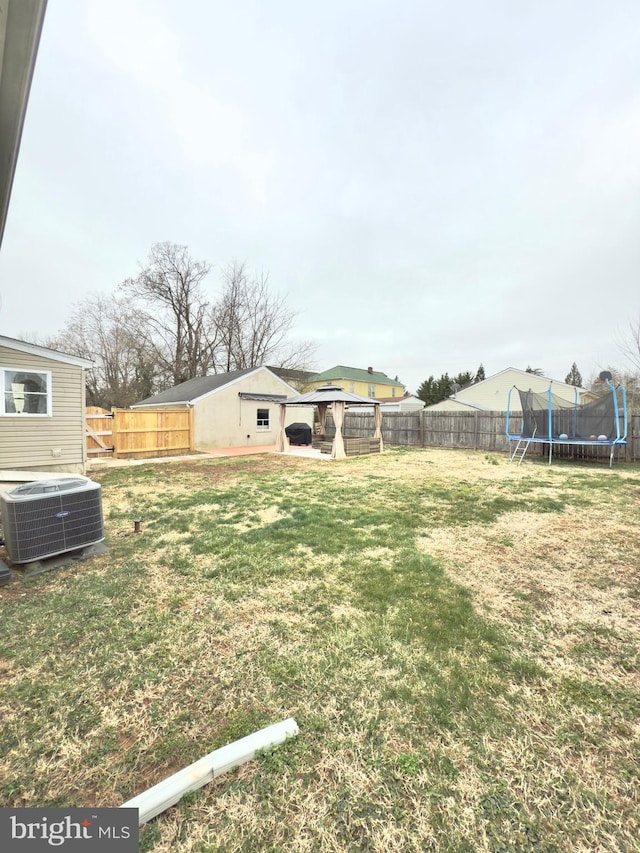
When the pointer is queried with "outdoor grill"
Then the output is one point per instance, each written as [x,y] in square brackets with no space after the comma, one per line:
[298,434]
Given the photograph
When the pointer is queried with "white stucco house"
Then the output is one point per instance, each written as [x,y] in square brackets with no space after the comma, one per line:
[492,394]
[236,409]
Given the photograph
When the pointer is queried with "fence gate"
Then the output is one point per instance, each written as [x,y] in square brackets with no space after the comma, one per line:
[99,430]
[136,433]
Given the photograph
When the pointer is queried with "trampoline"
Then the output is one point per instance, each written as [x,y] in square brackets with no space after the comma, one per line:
[552,420]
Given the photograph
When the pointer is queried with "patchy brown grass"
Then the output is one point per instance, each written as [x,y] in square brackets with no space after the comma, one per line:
[500,718]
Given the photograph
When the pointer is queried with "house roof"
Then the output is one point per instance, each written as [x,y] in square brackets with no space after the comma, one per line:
[398,399]
[330,394]
[193,389]
[291,375]
[354,374]
[20,27]
[467,404]
[43,352]
[524,373]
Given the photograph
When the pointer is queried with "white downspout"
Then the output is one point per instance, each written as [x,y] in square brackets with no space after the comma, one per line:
[160,797]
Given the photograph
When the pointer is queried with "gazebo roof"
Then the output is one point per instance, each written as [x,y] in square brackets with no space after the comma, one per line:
[330,394]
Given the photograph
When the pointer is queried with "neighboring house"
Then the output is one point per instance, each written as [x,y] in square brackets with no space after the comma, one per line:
[299,379]
[396,404]
[355,380]
[42,409]
[237,409]
[491,394]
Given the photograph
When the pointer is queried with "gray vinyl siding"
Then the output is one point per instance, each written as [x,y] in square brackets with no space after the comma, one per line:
[29,442]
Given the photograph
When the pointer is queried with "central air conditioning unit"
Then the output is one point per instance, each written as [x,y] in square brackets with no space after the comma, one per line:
[50,517]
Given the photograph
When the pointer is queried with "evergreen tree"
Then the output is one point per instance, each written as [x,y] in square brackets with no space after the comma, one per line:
[480,377]
[463,379]
[574,376]
[434,390]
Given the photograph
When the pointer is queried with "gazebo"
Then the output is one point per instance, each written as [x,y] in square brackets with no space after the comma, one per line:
[334,396]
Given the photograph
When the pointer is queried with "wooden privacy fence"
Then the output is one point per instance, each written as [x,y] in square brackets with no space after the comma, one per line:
[138,433]
[474,431]
[98,431]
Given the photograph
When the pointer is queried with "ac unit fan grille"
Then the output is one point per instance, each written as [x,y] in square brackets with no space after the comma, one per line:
[52,524]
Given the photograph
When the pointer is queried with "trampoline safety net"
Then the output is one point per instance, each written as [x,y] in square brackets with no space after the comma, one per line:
[549,416]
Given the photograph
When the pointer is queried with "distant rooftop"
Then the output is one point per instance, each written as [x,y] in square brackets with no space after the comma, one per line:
[291,374]
[354,374]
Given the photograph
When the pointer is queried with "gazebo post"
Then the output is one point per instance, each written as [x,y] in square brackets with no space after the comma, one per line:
[281,440]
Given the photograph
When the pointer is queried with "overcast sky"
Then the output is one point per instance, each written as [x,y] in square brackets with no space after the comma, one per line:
[433,184]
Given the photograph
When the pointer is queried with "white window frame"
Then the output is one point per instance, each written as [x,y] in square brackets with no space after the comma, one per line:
[372,389]
[263,424]
[4,381]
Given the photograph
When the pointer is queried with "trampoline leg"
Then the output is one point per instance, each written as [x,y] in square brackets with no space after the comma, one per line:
[550,451]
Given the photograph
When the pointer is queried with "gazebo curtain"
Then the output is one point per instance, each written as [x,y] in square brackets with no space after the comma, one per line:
[281,440]
[377,420]
[322,416]
[337,451]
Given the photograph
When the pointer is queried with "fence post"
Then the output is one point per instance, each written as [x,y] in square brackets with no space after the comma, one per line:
[114,432]
[192,432]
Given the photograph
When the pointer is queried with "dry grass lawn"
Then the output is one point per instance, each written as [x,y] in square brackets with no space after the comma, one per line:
[456,637]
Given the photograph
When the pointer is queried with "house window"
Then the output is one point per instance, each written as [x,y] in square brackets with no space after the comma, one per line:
[372,390]
[25,392]
[352,387]
[262,423]
[393,391]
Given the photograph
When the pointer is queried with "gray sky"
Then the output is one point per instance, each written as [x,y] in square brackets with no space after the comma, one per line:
[433,184]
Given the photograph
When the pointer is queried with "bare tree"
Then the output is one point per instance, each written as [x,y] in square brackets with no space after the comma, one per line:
[253,325]
[162,330]
[630,344]
[109,332]
[169,292]
[628,379]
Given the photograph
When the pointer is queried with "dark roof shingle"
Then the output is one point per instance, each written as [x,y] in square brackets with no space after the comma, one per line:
[193,389]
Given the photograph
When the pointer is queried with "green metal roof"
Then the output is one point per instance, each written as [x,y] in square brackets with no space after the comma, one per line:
[354,374]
